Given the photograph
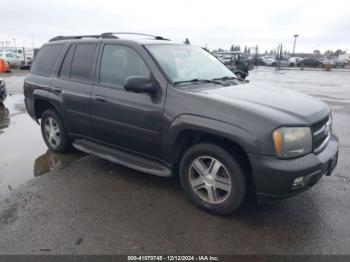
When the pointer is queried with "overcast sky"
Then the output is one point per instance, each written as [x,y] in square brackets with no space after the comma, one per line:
[320,24]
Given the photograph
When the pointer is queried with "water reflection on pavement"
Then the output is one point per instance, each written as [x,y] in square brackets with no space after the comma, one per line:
[51,161]
[23,154]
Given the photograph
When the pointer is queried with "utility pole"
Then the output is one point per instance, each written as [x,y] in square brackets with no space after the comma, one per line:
[14,45]
[33,41]
[295,41]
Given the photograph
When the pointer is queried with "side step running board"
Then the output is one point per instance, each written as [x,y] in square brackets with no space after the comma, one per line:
[122,158]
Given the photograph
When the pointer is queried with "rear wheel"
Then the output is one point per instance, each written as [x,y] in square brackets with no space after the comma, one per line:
[54,133]
[212,179]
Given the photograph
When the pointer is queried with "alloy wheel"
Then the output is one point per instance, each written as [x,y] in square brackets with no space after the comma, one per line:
[52,132]
[210,179]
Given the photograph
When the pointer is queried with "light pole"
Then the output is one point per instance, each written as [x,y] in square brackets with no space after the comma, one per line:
[295,41]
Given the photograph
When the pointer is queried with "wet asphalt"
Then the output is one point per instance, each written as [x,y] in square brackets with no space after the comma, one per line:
[78,204]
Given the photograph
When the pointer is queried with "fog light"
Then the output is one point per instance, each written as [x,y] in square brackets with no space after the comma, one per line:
[298,182]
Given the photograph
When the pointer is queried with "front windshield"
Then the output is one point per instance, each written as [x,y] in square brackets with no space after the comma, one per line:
[183,63]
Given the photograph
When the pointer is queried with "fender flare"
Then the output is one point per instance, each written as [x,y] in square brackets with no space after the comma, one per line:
[188,122]
[54,100]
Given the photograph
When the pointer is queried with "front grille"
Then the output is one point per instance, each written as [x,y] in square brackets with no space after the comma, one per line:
[321,134]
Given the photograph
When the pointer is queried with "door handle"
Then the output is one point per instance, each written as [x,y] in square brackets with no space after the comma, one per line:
[100,99]
[57,89]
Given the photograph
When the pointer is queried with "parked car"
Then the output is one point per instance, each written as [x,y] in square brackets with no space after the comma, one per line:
[4,117]
[168,109]
[293,61]
[3,93]
[283,63]
[269,60]
[310,62]
[11,58]
[237,62]
[339,63]
[259,61]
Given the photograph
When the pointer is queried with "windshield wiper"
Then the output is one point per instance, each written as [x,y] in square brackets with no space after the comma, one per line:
[198,80]
[227,78]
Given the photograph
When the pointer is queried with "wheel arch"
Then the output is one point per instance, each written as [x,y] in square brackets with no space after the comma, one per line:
[188,138]
[42,104]
[183,134]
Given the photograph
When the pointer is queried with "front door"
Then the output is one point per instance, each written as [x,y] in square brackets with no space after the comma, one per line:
[127,120]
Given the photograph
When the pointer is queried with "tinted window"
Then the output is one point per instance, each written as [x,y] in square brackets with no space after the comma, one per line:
[82,62]
[65,67]
[45,61]
[120,62]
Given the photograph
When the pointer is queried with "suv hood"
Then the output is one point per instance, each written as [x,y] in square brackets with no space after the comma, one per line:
[271,101]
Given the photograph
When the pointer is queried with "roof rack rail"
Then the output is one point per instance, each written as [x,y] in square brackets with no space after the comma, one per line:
[57,38]
[112,35]
[104,35]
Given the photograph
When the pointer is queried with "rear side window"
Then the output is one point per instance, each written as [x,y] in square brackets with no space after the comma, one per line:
[46,59]
[65,67]
[118,63]
[82,62]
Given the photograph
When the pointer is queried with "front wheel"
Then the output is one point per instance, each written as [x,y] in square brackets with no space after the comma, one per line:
[53,132]
[212,178]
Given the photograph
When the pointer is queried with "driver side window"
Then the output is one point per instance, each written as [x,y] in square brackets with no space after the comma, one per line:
[118,63]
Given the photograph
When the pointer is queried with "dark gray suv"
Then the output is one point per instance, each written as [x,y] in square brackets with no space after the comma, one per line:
[166,109]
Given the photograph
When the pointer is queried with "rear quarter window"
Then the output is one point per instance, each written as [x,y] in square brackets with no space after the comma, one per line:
[83,58]
[66,64]
[46,59]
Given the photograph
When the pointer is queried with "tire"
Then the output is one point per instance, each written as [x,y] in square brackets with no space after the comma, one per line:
[292,65]
[205,190]
[54,132]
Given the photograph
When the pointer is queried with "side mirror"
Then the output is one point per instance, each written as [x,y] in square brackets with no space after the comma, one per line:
[140,84]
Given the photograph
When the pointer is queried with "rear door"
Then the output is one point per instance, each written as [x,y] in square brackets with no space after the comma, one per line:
[124,119]
[73,85]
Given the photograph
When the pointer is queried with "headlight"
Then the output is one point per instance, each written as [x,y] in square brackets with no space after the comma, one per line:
[292,141]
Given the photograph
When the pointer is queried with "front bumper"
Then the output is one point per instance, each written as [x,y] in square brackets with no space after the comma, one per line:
[274,177]
[3,93]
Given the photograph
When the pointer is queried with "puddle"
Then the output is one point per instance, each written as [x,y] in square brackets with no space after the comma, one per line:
[53,161]
[23,153]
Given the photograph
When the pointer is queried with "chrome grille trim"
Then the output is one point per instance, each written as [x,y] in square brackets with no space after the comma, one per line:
[322,142]
[322,129]
[323,145]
